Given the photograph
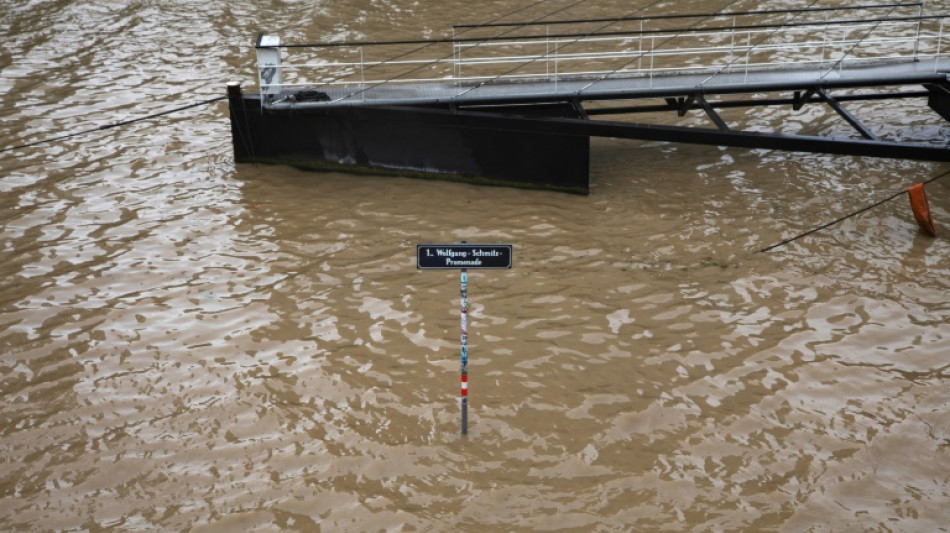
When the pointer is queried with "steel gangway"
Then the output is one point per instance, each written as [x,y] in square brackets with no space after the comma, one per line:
[559,77]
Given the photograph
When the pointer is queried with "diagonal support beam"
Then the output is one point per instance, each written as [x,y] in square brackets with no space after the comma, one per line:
[800,99]
[717,120]
[855,123]
[685,104]
[576,127]
[579,108]
[680,104]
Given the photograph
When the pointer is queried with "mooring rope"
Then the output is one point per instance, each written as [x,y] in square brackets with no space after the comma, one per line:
[849,215]
[114,125]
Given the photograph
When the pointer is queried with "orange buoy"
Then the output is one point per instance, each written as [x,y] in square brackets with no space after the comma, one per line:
[918,202]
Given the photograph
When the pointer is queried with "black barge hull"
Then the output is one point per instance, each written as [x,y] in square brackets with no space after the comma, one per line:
[544,142]
[402,141]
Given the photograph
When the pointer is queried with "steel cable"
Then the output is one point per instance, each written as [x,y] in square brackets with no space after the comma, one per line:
[114,125]
[602,78]
[849,215]
[558,48]
[443,58]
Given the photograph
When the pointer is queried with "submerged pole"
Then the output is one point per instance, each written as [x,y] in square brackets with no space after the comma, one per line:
[463,256]
[464,355]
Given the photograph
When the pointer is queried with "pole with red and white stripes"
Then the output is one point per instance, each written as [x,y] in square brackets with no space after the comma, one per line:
[463,256]
[464,342]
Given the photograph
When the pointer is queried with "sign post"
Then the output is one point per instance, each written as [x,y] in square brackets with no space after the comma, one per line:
[463,256]
[464,343]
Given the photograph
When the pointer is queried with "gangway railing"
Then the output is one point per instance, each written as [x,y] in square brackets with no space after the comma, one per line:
[649,49]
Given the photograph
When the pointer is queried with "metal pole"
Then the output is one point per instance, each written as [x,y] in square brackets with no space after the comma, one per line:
[547,52]
[920,14]
[824,44]
[748,52]
[640,57]
[732,47]
[464,342]
[652,49]
[824,41]
[844,39]
[939,42]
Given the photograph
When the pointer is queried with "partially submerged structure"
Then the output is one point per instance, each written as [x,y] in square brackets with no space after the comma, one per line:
[516,103]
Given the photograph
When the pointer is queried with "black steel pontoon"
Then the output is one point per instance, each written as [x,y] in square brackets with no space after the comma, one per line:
[519,110]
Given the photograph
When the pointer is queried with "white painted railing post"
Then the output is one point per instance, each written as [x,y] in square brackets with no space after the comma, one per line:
[640,56]
[748,52]
[844,41]
[547,52]
[939,42]
[362,76]
[732,46]
[652,51]
[824,45]
[455,58]
[920,16]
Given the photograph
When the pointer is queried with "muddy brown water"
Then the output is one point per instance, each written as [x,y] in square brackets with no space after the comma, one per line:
[187,344]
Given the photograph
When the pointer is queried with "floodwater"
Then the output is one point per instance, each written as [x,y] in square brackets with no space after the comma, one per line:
[187,344]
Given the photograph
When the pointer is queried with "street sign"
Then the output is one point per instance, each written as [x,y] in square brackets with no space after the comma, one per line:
[452,256]
[463,256]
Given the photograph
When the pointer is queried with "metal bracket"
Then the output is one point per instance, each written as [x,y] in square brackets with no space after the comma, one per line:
[800,99]
[685,104]
[717,120]
[855,123]
[579,108]
[680,104]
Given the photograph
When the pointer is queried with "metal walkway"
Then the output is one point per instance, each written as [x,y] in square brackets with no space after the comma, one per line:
[503,90]
[885,73]
[715,53]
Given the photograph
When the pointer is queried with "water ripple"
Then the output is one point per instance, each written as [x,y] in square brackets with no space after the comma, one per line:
[190,344]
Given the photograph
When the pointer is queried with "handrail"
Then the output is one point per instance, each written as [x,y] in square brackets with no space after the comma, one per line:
[644,52]
[867,7]
[658,31]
